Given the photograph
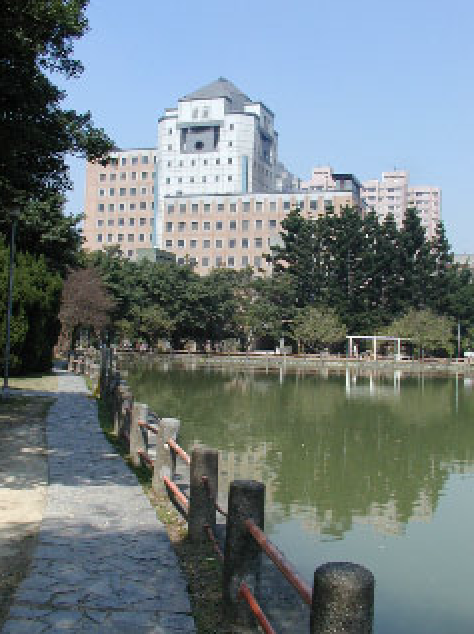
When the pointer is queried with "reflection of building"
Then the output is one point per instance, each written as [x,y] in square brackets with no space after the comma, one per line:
[373,389]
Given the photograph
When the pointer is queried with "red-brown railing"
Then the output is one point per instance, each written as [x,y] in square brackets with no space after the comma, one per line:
[179,451]
[245,593]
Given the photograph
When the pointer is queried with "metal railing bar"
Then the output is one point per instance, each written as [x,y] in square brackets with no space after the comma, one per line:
[213,541]
[245,593]
[280,562]
[154,430]
[178,450]
[183,500]
[146,458]
[205,481]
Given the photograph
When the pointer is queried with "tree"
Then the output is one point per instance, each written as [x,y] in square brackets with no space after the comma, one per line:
[36,132]
[85,303]
[428,331]
[318,326]
[34,325]
[155,324]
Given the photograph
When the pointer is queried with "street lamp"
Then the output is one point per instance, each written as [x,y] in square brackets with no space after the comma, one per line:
[14,215]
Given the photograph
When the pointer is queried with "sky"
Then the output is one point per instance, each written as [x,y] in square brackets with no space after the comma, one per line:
[362,86]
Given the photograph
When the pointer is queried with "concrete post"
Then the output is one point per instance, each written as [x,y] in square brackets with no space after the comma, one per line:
[343,599]
[120,395]
[242,556]
[165,460]
[138,435]
[204,462]
[126,416]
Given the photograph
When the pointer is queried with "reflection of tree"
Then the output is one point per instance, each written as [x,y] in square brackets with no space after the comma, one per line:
[341,460]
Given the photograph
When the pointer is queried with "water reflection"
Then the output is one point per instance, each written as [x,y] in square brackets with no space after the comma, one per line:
[362,449]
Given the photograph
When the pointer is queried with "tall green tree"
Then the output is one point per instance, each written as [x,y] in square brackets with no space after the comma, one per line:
[37,132]
[318,326]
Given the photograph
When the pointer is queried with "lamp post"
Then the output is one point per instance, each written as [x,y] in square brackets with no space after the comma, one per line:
[14,215]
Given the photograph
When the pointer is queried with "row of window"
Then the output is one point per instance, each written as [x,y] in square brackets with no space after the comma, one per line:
[123,191]
[143,206]
[204,179]
[219,244]
[109,237]
[219,225]
[246,206]
[131,160]
[230,261]
[123,176]
[142,222]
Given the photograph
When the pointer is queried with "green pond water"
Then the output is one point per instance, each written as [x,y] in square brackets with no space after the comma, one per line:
[374,470]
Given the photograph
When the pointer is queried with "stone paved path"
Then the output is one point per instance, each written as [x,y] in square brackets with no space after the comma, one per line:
[104,562]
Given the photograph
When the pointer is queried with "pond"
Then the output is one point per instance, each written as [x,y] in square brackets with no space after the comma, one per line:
[377,470]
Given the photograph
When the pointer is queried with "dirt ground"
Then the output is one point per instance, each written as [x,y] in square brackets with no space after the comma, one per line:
[23,480]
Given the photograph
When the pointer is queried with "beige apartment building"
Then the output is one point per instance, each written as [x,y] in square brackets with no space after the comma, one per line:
[393,194]
[120,202]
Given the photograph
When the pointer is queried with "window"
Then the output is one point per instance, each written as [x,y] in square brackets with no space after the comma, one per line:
[141,237]
[232,243]
[246,206]
[124,161]
[218,244]
[195,226]
[216,178]
[245,260]
[100,223]
[169,227]
[130,253]
[112,207]
[143,205]
[258,224]
[144,176]
[182,208]
[113,177]
[207,207]
[170,130]
[233,207]
[102,177]
[170,147]
[100,207]
[229,161]
[180,179]
[123,191]
[131,237]
[131,222]
[245,225]
[168,181]
[273,205]
[101,192]
[207,226]
[193,244]
[121,207]
[194,208]
[181,226]
[231,127]
[134,176]
[257,261]
[120,237]
[142,222]
[143,191]
[258,243]
[313,204]
[170,209]
[191,179]
[258,205]
[229,178]
[99,237]
[218,161]
[230,143]
[133,191]
[272,224]
[144,160]
[121,222]
[123,176]
[219,225]
[169,163]
[169,243]
[230,260]
[195,113]
[206,244]
[203,179]
[205,113]
[233,225]
[134,160]
[205,161]
[286,205]
[152,222]
[205,261]
[245,243]
[132,206]
[110,222]
[180,244]
[301,205]
[219,260]
[220,207]
[193,163]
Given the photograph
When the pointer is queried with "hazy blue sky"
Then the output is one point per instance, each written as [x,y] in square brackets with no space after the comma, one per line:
[363,86]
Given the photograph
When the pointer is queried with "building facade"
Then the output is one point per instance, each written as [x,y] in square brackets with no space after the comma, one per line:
[393,194]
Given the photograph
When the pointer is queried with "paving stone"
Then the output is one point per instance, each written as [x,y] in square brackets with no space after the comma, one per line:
[103,562]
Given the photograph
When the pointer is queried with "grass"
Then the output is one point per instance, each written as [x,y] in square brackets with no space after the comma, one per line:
[200,565]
